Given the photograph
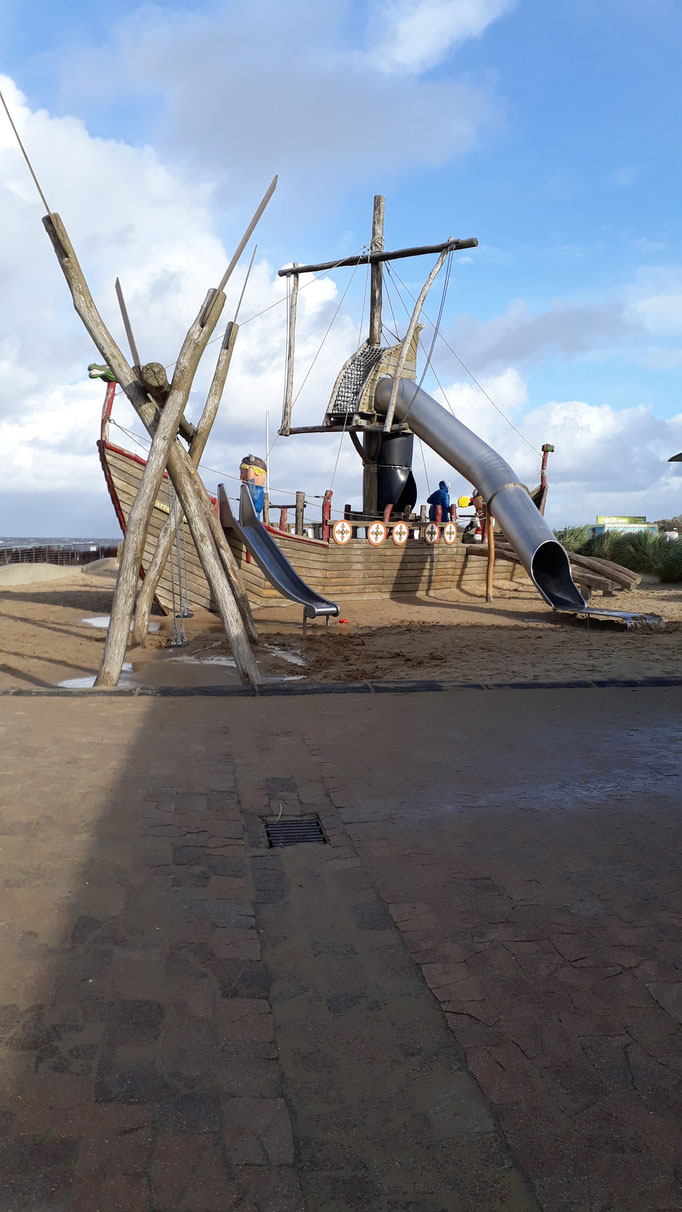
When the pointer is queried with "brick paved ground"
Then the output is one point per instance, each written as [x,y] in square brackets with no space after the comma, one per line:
[470,999]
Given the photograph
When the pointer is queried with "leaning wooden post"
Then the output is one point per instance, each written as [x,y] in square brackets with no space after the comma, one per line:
[140,513]
[490,568]
[291,345]
[179,467]
[201,433]
[327,514]
[402,356]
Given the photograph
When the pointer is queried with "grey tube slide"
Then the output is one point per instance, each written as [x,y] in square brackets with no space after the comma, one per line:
[264,550]
[543,558]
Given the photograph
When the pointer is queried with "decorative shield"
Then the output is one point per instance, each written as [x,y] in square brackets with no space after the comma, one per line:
[376,533]
[400,534]
[449,533]
[431,533]
[342,532]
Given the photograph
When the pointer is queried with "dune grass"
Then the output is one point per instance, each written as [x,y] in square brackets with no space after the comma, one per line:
[642,552]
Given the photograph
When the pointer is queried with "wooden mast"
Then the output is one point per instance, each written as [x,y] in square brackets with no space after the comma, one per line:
[376,280]
[372,441]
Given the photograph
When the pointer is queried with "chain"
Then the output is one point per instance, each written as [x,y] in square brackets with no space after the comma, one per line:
[178,638]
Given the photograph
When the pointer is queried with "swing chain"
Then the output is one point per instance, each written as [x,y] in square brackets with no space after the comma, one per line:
[178,638]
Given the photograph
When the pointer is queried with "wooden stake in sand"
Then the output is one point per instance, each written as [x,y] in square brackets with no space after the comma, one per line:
[154,378]
[490,569]
[149,586]
[186,483]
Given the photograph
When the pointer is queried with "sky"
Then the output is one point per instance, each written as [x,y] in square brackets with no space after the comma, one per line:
[548,131]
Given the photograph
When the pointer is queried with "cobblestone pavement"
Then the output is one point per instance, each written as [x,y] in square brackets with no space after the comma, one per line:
[469,998]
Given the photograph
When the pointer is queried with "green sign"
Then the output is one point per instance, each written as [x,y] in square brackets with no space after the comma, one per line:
[606,520]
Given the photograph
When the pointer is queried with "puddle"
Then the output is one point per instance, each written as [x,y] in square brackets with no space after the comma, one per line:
[202,657]
[293,658]
[103,620]
[89,682]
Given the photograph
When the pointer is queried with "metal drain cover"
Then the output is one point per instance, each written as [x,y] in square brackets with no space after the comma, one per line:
[295,830]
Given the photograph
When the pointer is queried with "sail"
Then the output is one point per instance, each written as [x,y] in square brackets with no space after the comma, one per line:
[353,391]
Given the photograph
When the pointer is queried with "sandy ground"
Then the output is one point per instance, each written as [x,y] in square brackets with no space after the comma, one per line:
[458,637]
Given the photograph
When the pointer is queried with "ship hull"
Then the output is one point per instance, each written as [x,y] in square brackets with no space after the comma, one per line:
[356,570]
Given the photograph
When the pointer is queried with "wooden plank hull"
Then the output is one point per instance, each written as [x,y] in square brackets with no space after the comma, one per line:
[357,570]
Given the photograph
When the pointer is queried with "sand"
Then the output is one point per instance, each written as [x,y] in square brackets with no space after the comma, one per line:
[457,637]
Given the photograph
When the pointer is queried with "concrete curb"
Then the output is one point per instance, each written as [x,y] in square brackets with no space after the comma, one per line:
[273,690]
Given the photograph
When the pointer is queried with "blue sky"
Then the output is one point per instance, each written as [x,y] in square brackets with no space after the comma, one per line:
[549,131]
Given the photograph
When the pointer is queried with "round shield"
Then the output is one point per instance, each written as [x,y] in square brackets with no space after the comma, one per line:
[431,533]
[449,533]
[400,534]
[342,532]
[376,533]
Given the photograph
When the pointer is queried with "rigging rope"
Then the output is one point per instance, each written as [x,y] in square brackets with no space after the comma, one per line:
[394,334]
[319,351]
[359,344]
[472,376]
[426,474]
[145,443]
[422,346]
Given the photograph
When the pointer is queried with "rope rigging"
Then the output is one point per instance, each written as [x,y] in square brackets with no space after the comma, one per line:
[397,283]
[470,373]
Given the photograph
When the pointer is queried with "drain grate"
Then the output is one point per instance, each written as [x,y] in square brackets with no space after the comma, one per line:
[295,831]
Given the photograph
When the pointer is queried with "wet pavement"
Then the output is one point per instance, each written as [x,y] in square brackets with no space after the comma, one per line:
[469,997]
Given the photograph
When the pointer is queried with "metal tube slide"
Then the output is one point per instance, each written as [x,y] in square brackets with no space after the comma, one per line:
[544,559]
[264,550]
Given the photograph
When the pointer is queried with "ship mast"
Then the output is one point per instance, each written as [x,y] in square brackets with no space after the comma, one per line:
[371,441]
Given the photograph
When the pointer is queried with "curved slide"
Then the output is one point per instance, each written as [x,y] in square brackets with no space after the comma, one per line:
[510,503]
[261,545]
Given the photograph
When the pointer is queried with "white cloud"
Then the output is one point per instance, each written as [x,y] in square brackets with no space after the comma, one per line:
[415,35]
[307,100]
[656,300]
[565,328]
[623,177]
[134,214]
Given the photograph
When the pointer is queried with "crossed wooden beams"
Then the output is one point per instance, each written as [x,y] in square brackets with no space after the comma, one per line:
[163,422]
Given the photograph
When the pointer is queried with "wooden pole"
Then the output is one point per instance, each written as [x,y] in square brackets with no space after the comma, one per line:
[291,345]
[127,325]
[149,586]
[242,245]
[154,379]
[371,442]
[300,507]
[408,338]
[327,514]
[179,467]
[376,279]
[140,513]
[490,568]
[376,258]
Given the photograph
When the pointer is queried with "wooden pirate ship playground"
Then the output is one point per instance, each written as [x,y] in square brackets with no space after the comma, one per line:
[386,549]
[193,550]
